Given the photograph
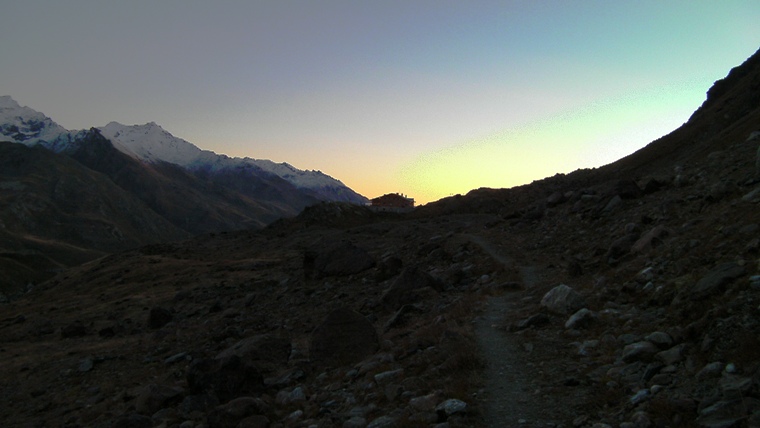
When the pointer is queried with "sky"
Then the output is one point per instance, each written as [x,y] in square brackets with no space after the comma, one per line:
[428,98]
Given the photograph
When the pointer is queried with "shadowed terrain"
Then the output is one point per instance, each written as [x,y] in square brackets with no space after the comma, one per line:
[621,296]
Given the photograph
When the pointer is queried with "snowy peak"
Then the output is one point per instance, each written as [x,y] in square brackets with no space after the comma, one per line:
[27,126]
[151,143]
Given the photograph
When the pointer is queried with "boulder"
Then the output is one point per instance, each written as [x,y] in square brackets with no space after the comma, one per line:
[336,259]
[715,280]
[155,397]
[344,337]
[406,289]
[563,300]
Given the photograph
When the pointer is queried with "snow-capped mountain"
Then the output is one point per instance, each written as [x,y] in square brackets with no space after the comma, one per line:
[152,144]
[30,127]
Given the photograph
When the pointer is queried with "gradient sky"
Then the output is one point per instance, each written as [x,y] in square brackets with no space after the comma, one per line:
[428,98]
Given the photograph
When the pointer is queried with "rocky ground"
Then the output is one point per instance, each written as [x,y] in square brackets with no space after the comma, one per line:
[622,297]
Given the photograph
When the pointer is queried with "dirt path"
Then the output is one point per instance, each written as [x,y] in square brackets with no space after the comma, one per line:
[512,397]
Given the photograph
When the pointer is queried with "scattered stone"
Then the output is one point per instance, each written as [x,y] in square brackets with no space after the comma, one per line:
[532,321]
[715,280]
[661,339]
[182,356]
[563,300]
[86,364]
[639,351]
[580,319]
[450,407]
[383,422]
[425,403]
[711,370]
[672,355]
[355,422]
[651,239]
[154,397]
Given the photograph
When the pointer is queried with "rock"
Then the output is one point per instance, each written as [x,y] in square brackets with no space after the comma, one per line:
[651,239]
[645,275]
[344,337]
[621,246]
[661,339]
[336,259]
[86,364]
[355,422]
[735,387]
[195,405]
[231,414]
[672,355]
[388,268]
[532,321]
[399,319]
[155,397]
[425,403]
[640,396]
[159,317]
[711,370]
[725,413]
[385,378]
[614,203]
[639,351]
[753,196]
[383,422]
[715,280]
[406,288]
[580,319]
[264,347]
[450,407]
[227,378]
[563,300]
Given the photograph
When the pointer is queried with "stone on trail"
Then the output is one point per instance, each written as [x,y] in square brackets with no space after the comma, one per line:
[563,300]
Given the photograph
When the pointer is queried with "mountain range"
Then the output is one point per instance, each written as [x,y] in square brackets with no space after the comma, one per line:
[69,196]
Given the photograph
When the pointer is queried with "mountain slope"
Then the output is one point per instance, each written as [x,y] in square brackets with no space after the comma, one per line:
[56,213]
[151,143]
